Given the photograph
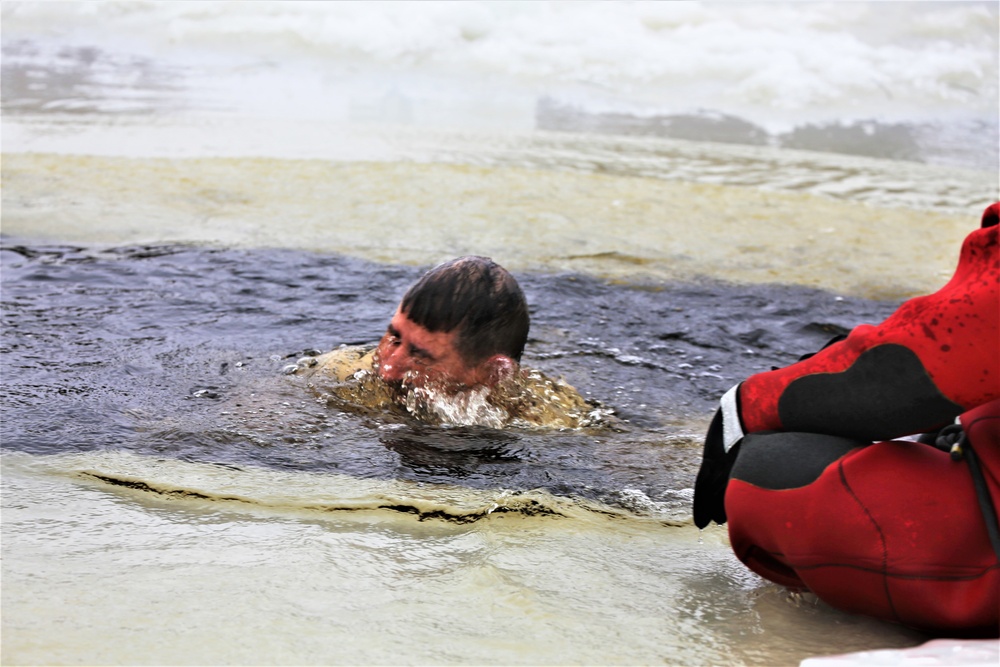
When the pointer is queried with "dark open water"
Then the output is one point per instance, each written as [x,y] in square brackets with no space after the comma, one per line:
[177,351]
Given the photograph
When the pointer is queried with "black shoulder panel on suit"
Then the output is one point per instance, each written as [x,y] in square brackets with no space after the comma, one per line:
[885,394]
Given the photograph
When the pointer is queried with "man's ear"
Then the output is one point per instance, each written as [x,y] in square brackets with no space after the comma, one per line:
[498,368]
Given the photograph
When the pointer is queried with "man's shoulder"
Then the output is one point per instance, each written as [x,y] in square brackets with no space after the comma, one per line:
[340,363]
[554,403]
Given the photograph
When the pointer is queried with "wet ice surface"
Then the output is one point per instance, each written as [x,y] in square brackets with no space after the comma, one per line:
[177,351]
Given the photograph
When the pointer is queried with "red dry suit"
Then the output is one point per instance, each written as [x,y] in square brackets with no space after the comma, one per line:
[897,529]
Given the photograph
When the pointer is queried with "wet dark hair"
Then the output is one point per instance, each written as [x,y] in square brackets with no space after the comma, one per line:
[480,299]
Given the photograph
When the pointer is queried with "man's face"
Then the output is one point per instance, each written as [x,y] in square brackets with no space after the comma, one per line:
[410,354]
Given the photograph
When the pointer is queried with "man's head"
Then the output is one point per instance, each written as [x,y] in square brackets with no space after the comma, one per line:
[465,322]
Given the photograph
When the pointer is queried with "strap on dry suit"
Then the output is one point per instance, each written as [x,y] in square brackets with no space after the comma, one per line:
[953,439]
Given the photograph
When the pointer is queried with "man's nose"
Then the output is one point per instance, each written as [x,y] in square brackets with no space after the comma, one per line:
[392,364]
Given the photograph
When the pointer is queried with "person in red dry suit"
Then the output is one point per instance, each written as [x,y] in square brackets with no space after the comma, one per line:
[806,464]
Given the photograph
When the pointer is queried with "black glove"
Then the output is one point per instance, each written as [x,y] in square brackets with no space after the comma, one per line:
[722,444]
[713,477]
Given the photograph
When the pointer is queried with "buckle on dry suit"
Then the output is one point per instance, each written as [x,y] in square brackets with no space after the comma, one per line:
[952,439]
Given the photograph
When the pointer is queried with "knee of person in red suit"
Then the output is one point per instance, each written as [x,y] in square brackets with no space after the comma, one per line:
[888,530]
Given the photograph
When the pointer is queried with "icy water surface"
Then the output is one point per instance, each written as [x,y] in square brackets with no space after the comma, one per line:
[148,428]
[178,351]
[159,467]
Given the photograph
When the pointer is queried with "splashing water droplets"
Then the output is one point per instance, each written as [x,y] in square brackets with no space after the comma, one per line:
[470,407]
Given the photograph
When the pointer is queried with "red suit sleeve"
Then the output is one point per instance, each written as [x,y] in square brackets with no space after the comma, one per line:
[934,358]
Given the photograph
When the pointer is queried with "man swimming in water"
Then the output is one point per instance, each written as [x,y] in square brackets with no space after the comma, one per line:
[452,353]
[463,325]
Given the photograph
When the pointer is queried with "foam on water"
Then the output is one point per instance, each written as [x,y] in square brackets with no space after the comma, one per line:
[774,58]
[813,75]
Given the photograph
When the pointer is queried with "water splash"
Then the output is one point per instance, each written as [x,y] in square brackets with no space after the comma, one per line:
[345,379]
